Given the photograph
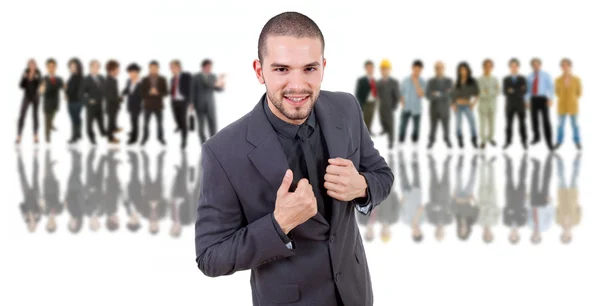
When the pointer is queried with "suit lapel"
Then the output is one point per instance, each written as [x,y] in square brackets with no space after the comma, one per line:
[335,133]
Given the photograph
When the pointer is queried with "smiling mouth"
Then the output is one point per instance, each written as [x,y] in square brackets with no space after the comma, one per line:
[296,100]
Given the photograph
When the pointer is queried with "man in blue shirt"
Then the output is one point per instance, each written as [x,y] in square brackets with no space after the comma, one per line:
[540,91]
[412,90]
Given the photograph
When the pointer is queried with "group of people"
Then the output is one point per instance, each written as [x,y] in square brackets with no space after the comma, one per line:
[100,193]
[470,205]
[534,93]
[101,97]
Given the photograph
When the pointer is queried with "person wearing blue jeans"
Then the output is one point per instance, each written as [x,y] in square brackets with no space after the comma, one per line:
[465,96]
[73,93]
[412,89]
[568,91]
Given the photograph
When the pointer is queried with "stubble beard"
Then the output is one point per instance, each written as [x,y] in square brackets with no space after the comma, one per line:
[293,113]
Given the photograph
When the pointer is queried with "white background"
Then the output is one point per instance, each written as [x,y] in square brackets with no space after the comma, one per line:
[124,268]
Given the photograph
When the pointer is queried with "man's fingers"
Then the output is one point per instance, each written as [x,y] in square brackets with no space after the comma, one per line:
[335,179]
[286,183]
[340,162]
[336,170]
[334,187]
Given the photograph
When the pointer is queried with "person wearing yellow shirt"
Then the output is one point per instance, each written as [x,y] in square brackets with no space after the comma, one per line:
[568,92]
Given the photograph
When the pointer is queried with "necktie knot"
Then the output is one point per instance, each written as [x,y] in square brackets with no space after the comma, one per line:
[304,132]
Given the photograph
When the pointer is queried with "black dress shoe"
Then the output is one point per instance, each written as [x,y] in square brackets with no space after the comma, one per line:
[535,141]
[430,145]
[524,145]
[493,143]
[483,145]
[506,145]
[162,142]
[448,143]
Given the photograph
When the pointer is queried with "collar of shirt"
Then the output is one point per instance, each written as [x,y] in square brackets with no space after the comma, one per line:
[284,128]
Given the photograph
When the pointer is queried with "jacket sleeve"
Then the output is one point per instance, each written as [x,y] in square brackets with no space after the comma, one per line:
[225,243]
[373,167]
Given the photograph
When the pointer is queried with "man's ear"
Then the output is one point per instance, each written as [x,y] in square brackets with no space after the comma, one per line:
[258,70]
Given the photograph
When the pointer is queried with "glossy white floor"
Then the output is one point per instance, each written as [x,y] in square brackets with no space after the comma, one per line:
[89,259]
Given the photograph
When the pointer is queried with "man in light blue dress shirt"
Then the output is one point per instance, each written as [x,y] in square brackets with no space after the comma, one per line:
[540,92]
[412,90]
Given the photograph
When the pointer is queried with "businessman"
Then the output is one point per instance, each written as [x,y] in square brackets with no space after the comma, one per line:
[180,98]
[113,99]
[283,182]
[50,89]
[540,91]
[366,93]
[438,92]
[514,87]
[93,95]
[134,100]
[204,86]
[154,88]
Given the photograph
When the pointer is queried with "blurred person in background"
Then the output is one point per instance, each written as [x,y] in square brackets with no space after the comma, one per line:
[133,93]
[439,92]
[412,90]
[465,96]
[489,212]
[514,87]
[439,210]
[389,210]
[50,89]
[489,89]
[413,210]
[113,99]
[30,84]
[51,202]
[464,205]
[388,89]
[366,93]
[93,94]
[541,210]
[204,86]
[74,98]
[154,89]
[31,209]
[540,92]
[568,92]
[181,89]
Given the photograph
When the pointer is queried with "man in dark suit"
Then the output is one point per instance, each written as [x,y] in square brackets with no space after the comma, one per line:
[93,95]
[154,88]
[51,87]
[113,100]
[180,98]
[204,86]
[283,182]
[515,89]
[133,93]
[366,94]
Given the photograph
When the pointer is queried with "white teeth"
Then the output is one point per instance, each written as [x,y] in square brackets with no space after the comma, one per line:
[296,99]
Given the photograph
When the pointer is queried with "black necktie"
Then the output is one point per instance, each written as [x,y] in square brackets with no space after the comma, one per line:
[311,164]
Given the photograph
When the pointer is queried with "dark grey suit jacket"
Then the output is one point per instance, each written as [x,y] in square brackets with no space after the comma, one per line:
[243,166]
[203,92]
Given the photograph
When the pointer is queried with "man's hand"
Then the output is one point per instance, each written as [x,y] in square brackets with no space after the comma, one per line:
[549,103]
[153,91]
[294,208]
[454,107]
[343,182]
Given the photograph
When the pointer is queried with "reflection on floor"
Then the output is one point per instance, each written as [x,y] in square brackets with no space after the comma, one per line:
[467,193]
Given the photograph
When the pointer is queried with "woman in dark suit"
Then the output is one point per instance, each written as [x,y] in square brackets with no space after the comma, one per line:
[30,83]
[74,87]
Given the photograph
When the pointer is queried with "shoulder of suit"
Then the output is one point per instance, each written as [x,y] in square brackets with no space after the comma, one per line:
[339,100]
[232,135]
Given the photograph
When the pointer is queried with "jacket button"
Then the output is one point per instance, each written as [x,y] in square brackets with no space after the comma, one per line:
[337,277]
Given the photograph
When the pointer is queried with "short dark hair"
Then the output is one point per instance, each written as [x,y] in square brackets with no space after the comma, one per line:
[418,63]
[176,63]
[566,60]
[488,60]
[111,65]
[154,63]
[369,63]
[536,59]
[289,24]
[50,61]
[205,62]
[514,60]
[133,67]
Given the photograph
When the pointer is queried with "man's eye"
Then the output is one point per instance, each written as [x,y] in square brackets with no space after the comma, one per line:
[311,69]
[280,69]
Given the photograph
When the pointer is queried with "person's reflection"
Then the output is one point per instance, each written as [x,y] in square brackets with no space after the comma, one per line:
[180,197]
[515,213]
[113,192]
[568,211]
[541,212]
[154,206]
[52,204]
[438,210]
[74,198]
[30,207]
[389,209]
[463,205]
[134,193]
[413,210]
[94,189]
[488,207]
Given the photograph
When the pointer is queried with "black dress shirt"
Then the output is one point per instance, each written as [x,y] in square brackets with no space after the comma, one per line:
[288,135]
